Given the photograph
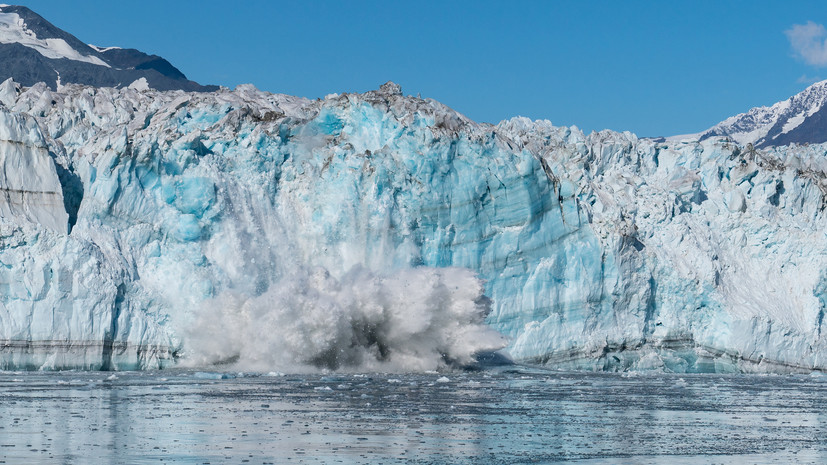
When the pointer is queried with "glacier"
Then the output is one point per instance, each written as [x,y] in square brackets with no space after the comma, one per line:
[142,229]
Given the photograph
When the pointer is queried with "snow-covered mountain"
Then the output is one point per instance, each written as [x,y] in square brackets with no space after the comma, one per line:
[801,119]
[33,50]
[377,232]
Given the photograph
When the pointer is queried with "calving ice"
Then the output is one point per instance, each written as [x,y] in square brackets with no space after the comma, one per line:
[377,231]
[144,228]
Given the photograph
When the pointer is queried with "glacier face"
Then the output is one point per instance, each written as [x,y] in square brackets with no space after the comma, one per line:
[28,178]
[377,231]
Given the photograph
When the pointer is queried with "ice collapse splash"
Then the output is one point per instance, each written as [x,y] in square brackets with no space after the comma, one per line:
[411,320]
[275,230]
[199,251]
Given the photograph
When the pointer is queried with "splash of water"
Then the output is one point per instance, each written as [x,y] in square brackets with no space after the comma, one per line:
[413,319]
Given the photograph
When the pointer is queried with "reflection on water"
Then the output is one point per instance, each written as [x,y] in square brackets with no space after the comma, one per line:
[505,416]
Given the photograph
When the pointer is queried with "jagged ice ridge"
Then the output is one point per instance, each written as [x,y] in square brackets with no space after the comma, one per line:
[376,231]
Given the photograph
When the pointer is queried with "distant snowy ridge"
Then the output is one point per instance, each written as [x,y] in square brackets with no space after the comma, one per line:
[800,119]
[103,49]
[33,50]
[377,232]
[13,29]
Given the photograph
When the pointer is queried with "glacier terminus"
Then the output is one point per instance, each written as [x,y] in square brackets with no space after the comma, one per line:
[143,229]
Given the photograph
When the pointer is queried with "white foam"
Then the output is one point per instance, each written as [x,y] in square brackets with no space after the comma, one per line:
[411,320]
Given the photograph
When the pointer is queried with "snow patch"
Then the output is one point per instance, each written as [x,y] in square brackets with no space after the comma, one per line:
[139,84]
[793,123]
[684,137]
[13,30]
[103,49]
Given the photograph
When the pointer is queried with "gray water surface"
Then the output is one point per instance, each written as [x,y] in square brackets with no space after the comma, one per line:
[515,415]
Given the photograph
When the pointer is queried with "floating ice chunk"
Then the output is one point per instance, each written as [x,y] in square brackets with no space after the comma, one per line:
[212,375]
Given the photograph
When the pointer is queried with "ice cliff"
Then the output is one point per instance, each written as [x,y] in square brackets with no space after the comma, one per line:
[139,229]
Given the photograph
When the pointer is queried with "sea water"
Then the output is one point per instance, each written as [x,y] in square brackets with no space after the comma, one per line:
[504,415]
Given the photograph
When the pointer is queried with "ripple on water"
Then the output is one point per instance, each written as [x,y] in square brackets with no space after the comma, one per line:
[519,416]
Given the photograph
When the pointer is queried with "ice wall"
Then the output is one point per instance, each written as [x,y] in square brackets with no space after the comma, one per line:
[377,231]
[61,302]
[29,186]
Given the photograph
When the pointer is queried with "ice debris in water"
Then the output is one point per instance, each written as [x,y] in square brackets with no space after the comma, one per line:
[211,375]
[376,231]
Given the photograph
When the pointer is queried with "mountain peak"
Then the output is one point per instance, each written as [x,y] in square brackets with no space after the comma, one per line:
[800,119]
[34,50]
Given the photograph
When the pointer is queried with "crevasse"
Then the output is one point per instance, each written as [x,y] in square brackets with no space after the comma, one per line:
[378,231]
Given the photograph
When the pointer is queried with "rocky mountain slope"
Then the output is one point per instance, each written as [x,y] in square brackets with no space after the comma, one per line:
[33,50]
[801,119]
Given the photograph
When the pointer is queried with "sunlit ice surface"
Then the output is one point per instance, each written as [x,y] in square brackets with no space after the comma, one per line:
[500,415]
[383,232]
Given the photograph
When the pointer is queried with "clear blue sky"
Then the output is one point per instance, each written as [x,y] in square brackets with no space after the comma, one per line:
[654,68]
